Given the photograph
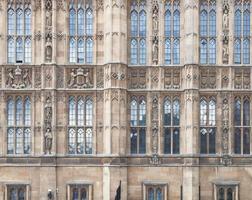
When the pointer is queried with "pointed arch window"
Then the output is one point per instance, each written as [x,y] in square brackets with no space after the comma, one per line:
[242,32]
[138,125]
[18,125]
[242,125]
[207,125]
[172,32]
[81,32]
[19,33]
[171,125]
[207,32]
[80,125]
[138,26]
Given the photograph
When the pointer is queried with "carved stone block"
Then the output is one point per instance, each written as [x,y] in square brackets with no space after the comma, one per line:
[171,78]
[137,79]
[208,78]
[80,78]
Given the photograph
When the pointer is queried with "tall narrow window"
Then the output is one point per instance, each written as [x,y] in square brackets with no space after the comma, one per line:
[171,121]
[172,32]
[138,23]
[19,33]
[81,32]
[242,32]
[207,32]
[242,125]
[18,125]
[207,125]
[80,125]
[138,125]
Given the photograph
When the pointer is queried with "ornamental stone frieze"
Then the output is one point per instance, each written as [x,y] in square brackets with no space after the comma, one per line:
[100,77]
[18,78]
[208,78]
[60,81]
[242,78]
[225,77]
[172,78]
[80,78]
[137,78]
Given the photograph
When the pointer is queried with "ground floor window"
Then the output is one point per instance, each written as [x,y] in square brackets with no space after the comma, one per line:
[17,192]
[79,192]
[155,191]
[226,190]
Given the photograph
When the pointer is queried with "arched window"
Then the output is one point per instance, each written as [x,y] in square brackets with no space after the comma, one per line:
[138,125]
[242,125]
[207,125]
[79,192]
[207,32]
[154,192]
[171,123]
[19,33]
[18,125]
[172,32]
[81,32]
[242,32]
[151,194]
[138,25]
[80,125]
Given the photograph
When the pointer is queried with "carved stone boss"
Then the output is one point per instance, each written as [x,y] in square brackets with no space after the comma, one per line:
[48,31]
[18,78]
[155,24]
[225,29]
[48,137]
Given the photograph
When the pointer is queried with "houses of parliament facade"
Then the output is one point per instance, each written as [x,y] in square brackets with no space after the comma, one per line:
[125,99]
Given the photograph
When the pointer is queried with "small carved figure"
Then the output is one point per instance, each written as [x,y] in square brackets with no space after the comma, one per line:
[10,79]
[48,141]
[155,51]
[26,78]
[48,18]
[48,50]
[72,78]
[48,111]
[225,19]
[155,19]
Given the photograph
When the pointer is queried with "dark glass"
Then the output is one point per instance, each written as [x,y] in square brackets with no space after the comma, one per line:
[142,140]
[237,113]
[203,141]
[176,141]
[246,141]
[133,141]
[230,194]
[212,140]
[237,142]
[246,113]
[167,141]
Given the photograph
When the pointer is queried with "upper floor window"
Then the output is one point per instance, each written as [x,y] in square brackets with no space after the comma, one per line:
[242,32]
[242,125]
[171,122]
[18,125]
[207,32]
[81,32]
[172,32]
[138,24]
[138,125]
[207,125]
[19,42]
[80,125]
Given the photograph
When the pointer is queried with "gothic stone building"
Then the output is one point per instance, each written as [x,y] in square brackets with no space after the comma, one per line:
[154,94]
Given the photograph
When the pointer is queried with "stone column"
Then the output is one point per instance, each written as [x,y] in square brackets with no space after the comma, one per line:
[191,99]
[115,95]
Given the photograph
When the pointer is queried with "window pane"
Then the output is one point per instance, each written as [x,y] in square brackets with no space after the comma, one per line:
[134,23]
[212,23]
[133,113]
[142,52]
[19,18]
[212,140]
[150,194]
[72,19]
[72,112]
[89,112]
[176,24]
[89,141]
[246,141]
[203,113]
[246,51]
[19,141]
[72,54]
[237,113]
[237,142]
[11,50]
[142,113]
[89,22]
[176,112]
[237,51]
[203,51]
[159,194]
[80,141]
[19,112]
[167,51]
[142,24]
[71,141]
[11,22]
[80,112]
[246,113]
[10,107]
[203,141]
[142,141]
[246,23]
[167,113]
[133,141]
[203,23]
[230,194]
[176,141]
[27,115]
[212,51]
[27,22]
[89,51]
[167,23]
[80,22]
[133,52]
[238,23]
[10,141]
[80,51]
[27,140]
[221,194]
[212,113]
[176,52]
[167,140]
[19,50]
[28,50]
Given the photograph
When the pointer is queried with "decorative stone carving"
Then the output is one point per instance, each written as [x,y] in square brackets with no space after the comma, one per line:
[225,125]
[225,78]
[118,75]
[242,79]
[155,50]
[137,79]
[37,77]
[48,31]
[115,95]
[154,77]
[48,124]
[80,78]
[225,29]
[208,78]
[100,77]
[60,77]
[155,24]
[60,5]
[171,78]
[99,5]
[18,78]
[226,160]
[48,77]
